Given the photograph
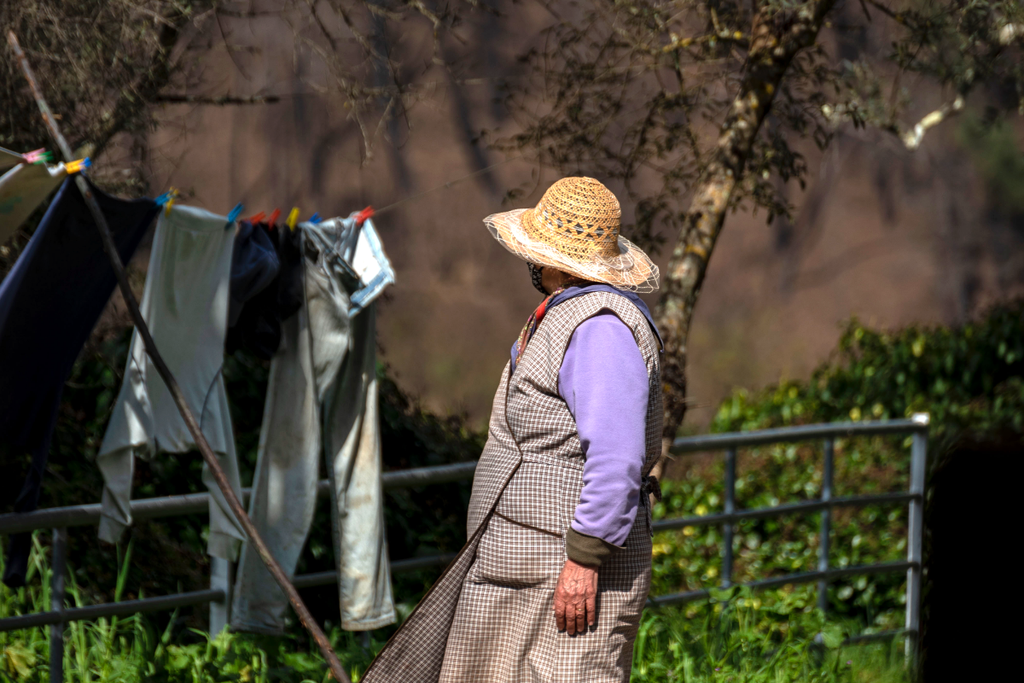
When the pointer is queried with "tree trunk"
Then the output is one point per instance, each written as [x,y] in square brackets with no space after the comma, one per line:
[776,39]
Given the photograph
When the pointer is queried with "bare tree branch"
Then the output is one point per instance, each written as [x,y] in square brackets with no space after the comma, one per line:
[912,138]
[132,101]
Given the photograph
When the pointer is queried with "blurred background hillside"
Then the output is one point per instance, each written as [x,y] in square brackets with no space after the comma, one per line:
[889,235]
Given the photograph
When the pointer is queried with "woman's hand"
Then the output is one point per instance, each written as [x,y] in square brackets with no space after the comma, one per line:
[576,598]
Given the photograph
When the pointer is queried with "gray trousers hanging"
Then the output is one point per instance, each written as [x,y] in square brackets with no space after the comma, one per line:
[321,398]
[185,304]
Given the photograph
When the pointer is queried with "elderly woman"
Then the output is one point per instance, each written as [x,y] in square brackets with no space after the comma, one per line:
[552,582]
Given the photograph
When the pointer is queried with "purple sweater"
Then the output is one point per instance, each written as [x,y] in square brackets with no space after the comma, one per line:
[608,400]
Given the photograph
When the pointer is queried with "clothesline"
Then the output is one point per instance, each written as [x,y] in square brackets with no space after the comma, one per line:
[369,211]
[19,195]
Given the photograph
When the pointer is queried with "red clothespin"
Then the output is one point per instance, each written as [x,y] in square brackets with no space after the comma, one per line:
[274,215]
[256,218]
[364,215]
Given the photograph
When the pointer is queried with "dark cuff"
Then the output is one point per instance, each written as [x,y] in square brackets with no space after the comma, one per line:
[589,550]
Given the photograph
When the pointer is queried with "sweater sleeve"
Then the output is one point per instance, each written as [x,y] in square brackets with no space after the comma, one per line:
[604,381]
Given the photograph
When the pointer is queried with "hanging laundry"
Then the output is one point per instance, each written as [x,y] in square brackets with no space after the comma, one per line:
[22,189]
[185,304]
[258,325]
[49,304]
[322,398]
[254,266]
[354,249]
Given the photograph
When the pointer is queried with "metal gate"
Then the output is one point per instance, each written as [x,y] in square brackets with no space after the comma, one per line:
[218,596]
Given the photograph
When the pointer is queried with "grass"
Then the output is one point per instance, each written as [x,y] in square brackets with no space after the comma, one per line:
[740,637]
[736,637]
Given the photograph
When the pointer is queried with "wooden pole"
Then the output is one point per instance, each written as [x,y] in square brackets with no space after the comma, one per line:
[172,385]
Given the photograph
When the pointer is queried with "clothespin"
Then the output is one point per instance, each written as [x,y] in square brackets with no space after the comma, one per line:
[293,218]
[364,216]
[256,218]
[166,200]
[274,215]
[315,218]
[37,156]
[235,213]
[78,165]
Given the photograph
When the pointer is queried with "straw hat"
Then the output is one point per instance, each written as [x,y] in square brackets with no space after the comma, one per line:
[575,228]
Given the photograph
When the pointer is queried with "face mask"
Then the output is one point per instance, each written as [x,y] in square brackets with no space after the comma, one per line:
[537,278]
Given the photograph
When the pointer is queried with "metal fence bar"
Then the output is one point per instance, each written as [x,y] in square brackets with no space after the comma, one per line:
[826,521]
[111,609]
[781,510]
[915,534]
[213,596]
[422,476]
[398,567]
[838,430]
[84,515]
[730,508]
[58,567]
[199,503]
[786,579]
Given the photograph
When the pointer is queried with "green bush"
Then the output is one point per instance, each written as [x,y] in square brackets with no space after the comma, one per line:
[970,378]
[690,559]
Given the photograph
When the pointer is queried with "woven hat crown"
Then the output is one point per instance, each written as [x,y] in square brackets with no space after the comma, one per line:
[577,216]
[575,228]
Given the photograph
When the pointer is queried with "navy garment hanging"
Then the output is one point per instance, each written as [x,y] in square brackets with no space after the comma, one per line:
[254,267]
[258,326]
[49,304]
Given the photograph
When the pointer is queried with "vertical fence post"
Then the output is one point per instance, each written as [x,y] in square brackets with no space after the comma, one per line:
[915,533]
[220,579]
[730,507]
[826,522]
[59,565]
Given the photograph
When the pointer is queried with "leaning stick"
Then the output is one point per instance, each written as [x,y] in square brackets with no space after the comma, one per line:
[172,385]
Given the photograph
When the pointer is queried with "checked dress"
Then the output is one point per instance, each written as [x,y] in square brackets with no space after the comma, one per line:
[490,616]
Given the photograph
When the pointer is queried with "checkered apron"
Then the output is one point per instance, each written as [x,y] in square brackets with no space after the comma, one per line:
[490,617]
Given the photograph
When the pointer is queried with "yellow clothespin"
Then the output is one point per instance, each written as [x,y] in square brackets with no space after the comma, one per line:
[172,194]
[77,166]
[293,218]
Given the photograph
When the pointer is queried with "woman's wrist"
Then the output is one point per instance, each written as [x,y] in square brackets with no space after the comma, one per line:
[588,550]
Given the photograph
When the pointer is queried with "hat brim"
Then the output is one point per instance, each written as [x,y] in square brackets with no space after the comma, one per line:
[631,269]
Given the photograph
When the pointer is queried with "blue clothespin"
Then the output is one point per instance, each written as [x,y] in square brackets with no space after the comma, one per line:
[235,213]
[166,200]
[315,218]
[166,197]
